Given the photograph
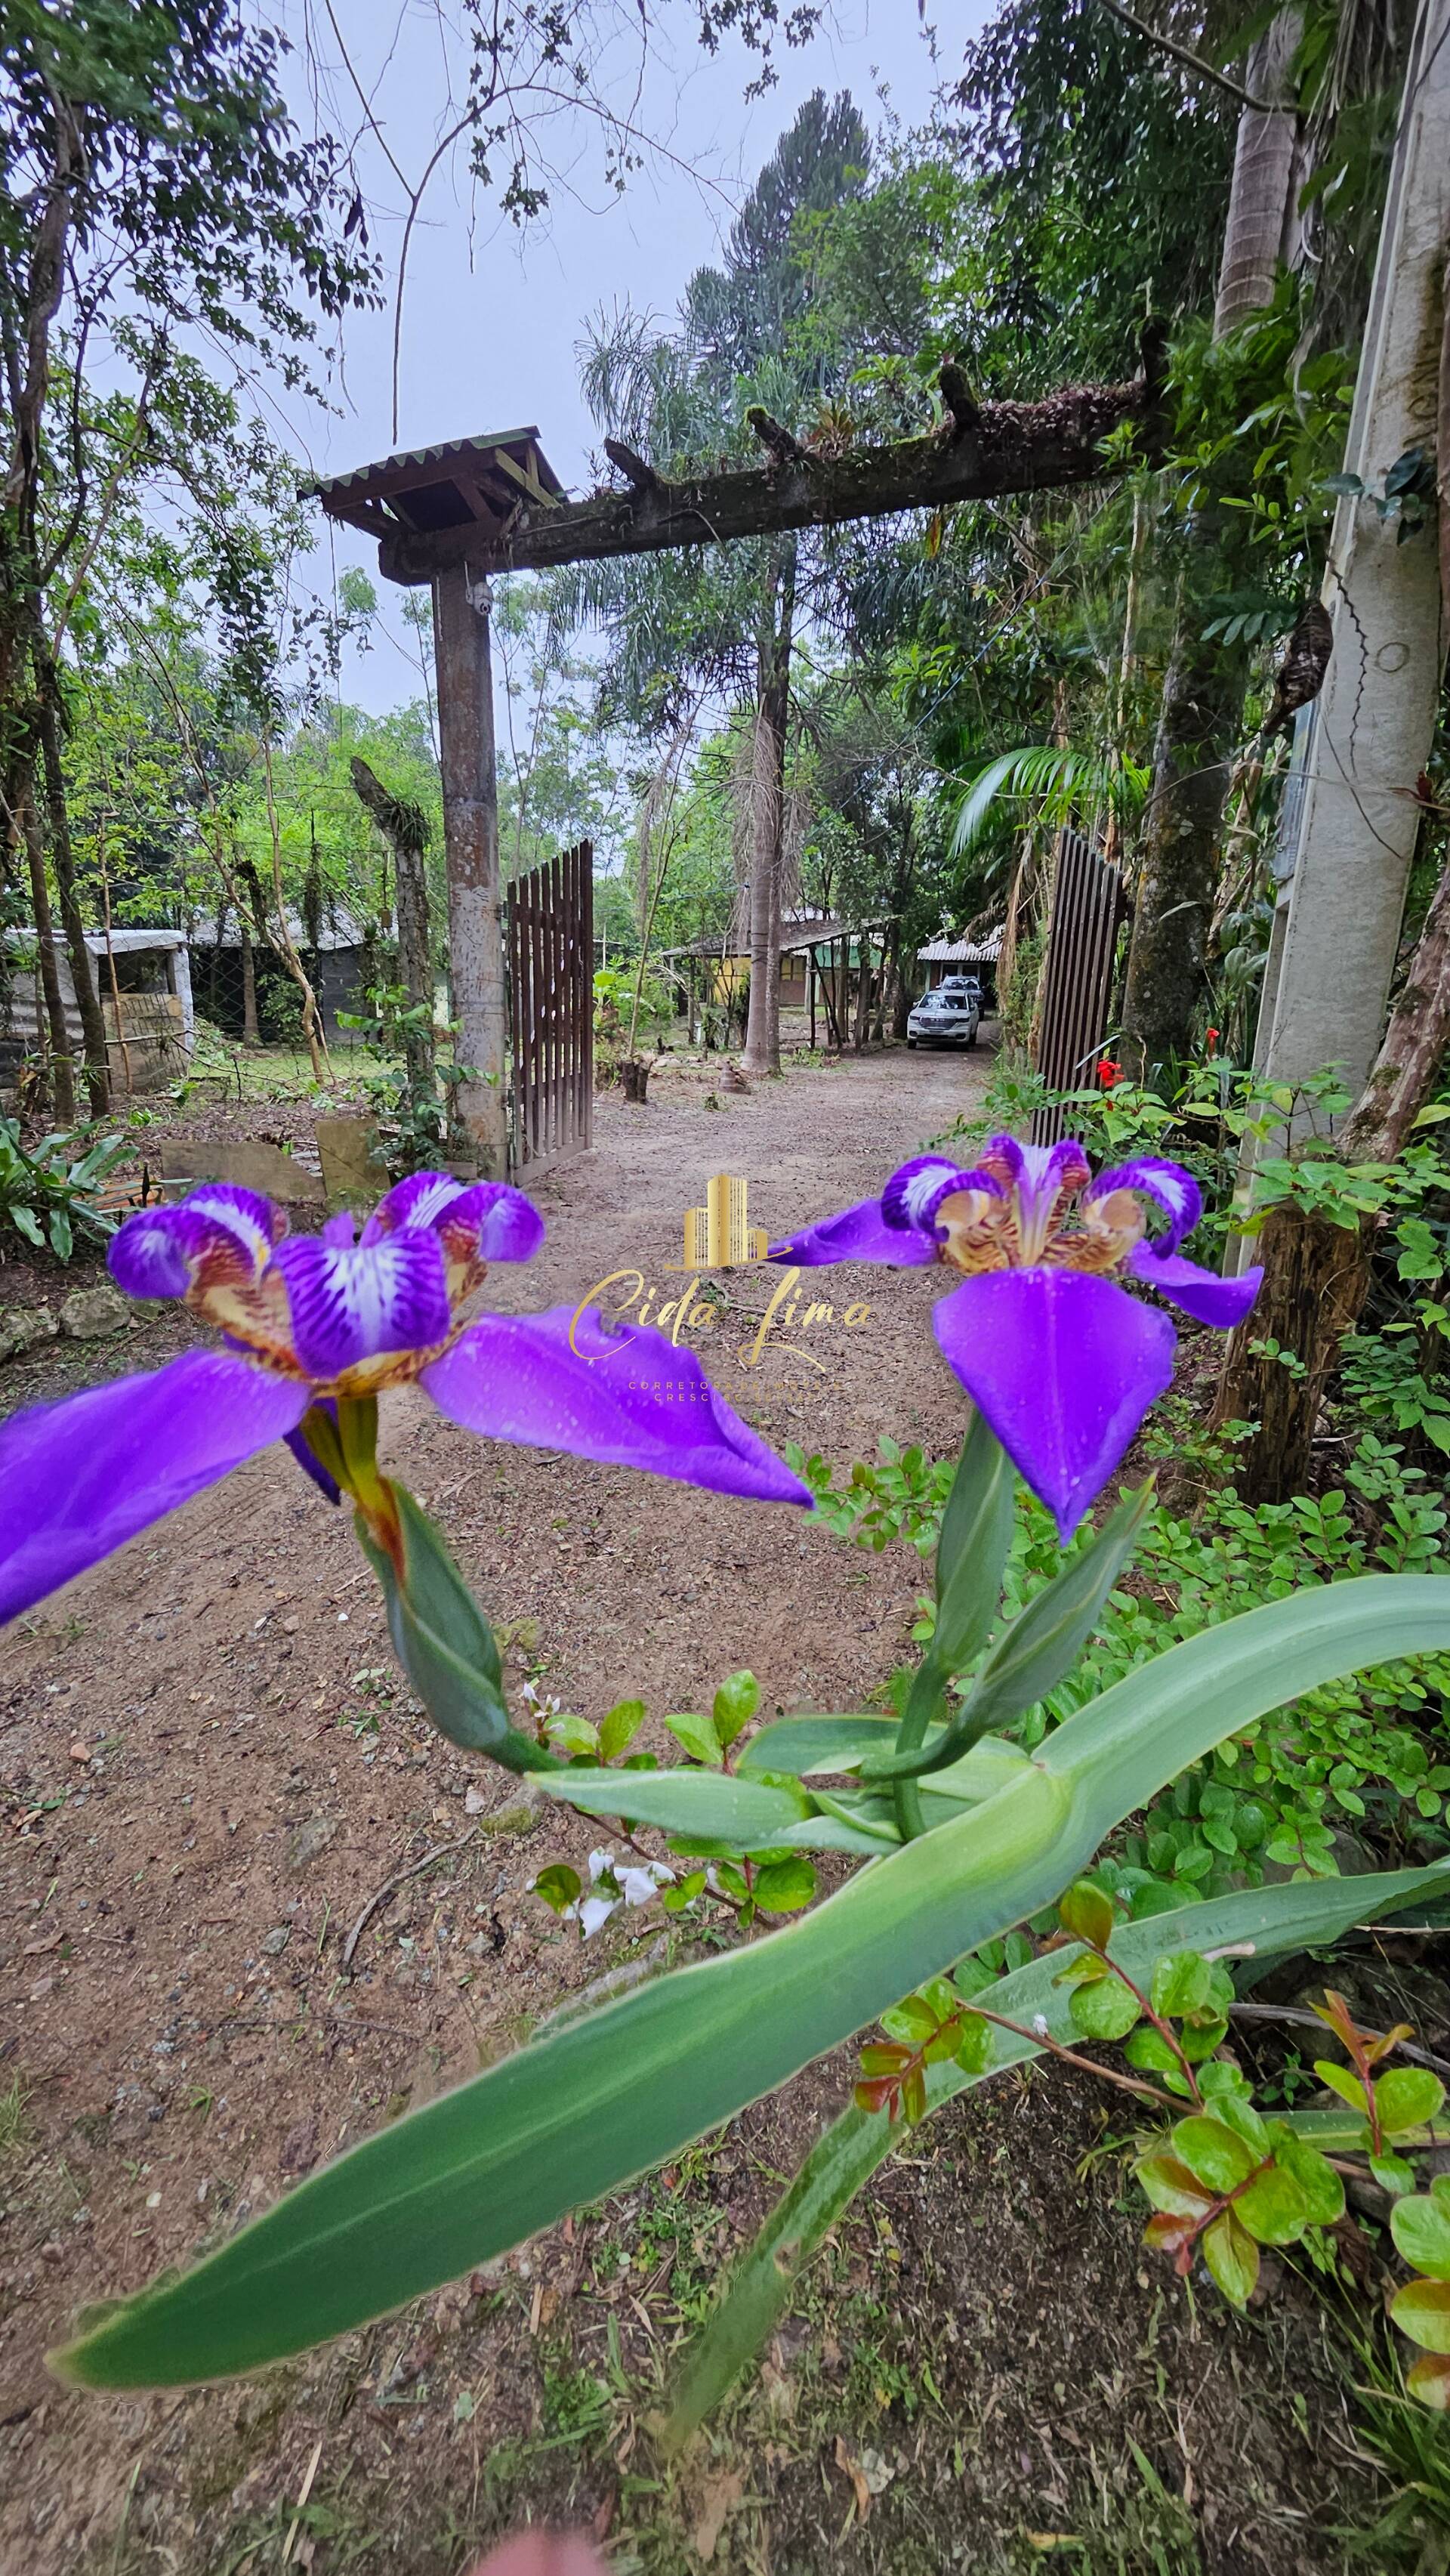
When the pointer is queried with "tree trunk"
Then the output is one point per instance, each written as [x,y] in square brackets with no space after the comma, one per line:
[900,987]
[831,997]
[1261,206]
[1203,689]
[1314,1284]
[767,817]
[28,371]
[62,1072]
[88,1003]
[1178,859]
[1316,1275]
[251,1026]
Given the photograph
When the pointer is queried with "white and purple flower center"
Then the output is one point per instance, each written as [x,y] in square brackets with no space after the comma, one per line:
[1025,1207]
[346,1314]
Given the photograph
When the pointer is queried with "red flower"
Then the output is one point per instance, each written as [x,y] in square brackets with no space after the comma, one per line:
[1212,1035]
[1109,1072]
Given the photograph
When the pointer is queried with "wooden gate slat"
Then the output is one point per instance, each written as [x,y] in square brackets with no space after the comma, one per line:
[556,996]
[586,997]
[549,920]
[1087,909]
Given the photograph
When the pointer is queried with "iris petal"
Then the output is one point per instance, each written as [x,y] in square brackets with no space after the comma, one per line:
[1168,1185]
[217,1236]
[83,1476]
[564,1380]
[493,1223]
[348,1305]
[858,1233]
[419,1200]
[1201,1293]
[1063,1367]
[911,1189]
[484,1220]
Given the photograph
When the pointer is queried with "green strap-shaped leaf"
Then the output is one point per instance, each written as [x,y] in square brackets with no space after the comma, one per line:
[804,1745]
[571,2118]
[1042,1643]
[684,1802]
[1164,1715]
[575,2115]
[445,1645]
[976,1533]
[979,1774]
[835,1829]
[763,2283]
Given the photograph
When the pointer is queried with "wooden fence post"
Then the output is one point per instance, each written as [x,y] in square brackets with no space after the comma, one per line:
[470,831]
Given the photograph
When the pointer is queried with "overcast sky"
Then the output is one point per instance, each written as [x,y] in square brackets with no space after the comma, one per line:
[491,318]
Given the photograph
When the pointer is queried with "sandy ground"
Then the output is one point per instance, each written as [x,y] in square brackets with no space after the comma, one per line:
[207,1767]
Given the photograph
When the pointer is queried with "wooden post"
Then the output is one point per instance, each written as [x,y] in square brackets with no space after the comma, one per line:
[470,831]
[251,1026]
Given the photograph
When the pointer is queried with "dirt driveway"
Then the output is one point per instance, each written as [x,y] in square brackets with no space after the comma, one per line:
[207,1773]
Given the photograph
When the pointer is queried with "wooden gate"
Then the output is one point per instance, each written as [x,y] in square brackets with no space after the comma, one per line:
[550,948]
[1088,905]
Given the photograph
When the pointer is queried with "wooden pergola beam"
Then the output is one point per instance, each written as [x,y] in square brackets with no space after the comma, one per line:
[1012,447]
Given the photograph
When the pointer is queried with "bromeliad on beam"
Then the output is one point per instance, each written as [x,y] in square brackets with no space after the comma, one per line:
[640,476]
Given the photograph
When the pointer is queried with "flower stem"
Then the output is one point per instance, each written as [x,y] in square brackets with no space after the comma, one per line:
[923,1701]
[357,1433]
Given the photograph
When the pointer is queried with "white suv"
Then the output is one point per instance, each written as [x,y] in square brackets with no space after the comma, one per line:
[949,1015]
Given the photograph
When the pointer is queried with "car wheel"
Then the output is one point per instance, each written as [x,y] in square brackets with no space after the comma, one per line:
[911,1042]
[972,1040]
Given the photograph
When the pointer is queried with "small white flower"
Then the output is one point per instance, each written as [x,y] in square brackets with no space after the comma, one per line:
[1039,2024]
[594,1913]
[640,1886]
[530,1693]
[601,1864]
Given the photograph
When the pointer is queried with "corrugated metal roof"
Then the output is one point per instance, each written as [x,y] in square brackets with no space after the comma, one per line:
[962,952]
[360,475]
[339,930]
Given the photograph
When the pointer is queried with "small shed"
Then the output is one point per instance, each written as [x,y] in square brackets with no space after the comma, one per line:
[948,956]
[143,982]
[223,947]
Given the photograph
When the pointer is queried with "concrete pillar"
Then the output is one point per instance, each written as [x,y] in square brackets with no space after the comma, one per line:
[1347,862]
[470,831]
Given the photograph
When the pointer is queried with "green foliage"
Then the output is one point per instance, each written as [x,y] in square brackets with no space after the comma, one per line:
[414,1127]
[1024,2006]
[1051,787]
[1368,1754]
[49,1188]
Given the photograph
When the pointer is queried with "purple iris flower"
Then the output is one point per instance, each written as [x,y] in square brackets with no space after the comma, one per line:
[315,1326]
[1061,1361]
